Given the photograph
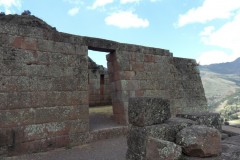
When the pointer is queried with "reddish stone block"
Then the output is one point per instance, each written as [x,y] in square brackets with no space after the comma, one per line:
[29,44]
[127,75]
[39,145]
[110,57]
[116,66]
[118,107]
[139,93]
[17,42]
[120,118]
[116,76]
[149,58]
[138,67]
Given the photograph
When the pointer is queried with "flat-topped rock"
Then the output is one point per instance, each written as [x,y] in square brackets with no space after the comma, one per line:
[146,111]
[200,141]
[204,118]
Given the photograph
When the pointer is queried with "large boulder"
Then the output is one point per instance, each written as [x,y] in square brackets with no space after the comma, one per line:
[162,150]
[137,136]
[204,118]
[180,123]
[200,141]
[146,111]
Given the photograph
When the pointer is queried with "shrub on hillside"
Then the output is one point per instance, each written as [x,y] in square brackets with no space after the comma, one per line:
[26,12]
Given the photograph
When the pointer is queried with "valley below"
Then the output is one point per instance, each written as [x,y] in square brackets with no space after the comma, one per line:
[221,83]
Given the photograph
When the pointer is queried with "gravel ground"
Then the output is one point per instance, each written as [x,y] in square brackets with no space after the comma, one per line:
[110,149]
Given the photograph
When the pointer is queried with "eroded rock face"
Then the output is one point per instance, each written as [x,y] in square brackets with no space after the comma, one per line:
[200,141]
[146,111]
[162,150]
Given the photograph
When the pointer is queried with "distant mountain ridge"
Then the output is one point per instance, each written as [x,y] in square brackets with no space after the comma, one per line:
[223,68]
[220,81]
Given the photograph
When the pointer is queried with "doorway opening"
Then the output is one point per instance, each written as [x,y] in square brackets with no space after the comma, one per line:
[100,100]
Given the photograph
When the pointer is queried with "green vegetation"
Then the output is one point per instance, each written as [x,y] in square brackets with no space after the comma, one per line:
[219,87]
[231,108]
[221,83]
[101,109]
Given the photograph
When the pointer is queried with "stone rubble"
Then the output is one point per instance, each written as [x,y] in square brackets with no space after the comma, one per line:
[169,138]
[199,141]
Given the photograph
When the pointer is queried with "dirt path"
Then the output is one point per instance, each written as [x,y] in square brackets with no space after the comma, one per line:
[110,149]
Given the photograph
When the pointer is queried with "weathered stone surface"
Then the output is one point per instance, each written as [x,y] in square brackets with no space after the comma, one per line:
[162,150]
[137,136]
[180,123]
[166,131]
[136,140]
[200,141]
[133,156]
[145,111]
[184,157]
[204,118]
[230,151]
[224,136]
[231,148]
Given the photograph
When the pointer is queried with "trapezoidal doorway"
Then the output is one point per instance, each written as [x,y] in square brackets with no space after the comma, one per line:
[101,112]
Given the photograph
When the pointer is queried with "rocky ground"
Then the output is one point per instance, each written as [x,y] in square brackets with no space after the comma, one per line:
[115,149]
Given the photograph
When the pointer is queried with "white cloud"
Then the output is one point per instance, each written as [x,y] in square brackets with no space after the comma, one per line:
[210,10]
[129,1]
[73,11]
[155,0]
[74,1]
[8,4]
[207,31]
[216,56]
[100,3]
[227,36]
[125,20]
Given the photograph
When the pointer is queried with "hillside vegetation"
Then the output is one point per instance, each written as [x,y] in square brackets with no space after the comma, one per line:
[221,83]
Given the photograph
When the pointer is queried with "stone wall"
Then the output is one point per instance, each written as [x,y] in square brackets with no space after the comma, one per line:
[137,71]
[44,83]
[43,88]
[99,86]
[187,92]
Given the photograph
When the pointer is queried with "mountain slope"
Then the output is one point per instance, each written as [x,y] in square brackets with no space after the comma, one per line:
[220,81]
[219,86]
[224,68]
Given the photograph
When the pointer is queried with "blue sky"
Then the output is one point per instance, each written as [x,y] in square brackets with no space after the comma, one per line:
[206,30]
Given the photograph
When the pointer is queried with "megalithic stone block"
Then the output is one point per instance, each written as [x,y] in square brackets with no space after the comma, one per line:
[146,111]
[200,141]
[158,149]
[204,118]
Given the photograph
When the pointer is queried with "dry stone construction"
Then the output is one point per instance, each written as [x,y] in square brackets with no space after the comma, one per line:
[44,83]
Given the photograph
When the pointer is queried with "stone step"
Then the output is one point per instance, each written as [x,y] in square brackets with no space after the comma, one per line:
[231,131]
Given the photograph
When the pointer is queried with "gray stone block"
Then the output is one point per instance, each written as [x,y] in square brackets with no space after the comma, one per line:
[200,141]
[161,150]
[136,140]
[133,156]
[146,111]
[204,118]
